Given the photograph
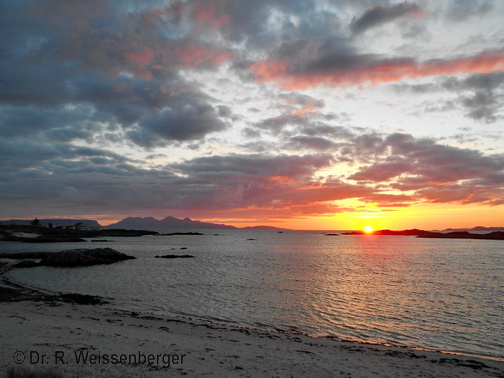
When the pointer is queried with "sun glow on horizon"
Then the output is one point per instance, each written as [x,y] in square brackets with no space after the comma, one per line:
[368,229]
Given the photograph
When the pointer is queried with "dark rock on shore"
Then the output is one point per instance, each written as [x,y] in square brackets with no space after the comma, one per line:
[26,264]
[182,233]
[84,257]
[11,294]
[24,255]
[82,299]
[174,256]
[69,258]
[7,294]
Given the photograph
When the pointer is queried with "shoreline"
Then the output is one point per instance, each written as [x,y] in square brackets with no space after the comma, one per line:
[66,331]
[230,324]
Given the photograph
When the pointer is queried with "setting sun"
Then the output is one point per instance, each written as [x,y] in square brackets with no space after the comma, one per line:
[368,229]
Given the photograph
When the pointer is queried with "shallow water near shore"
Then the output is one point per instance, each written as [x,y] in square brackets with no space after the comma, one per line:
[443,294]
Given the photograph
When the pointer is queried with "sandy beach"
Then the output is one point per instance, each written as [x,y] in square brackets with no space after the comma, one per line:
[97,340]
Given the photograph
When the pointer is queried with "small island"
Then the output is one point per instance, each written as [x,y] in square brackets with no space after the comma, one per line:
[497,235]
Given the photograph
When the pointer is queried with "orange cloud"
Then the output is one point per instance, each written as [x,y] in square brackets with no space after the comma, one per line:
[195,55]
[304,111]
[141,59]
[279,72]
[207,13]
[280,179]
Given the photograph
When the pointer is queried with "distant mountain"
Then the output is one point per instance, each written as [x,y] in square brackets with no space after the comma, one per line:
[263,228]
[169,223]
[55,222]
[478,228]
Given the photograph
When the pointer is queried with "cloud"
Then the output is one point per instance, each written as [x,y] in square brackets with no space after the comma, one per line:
[372,73]
[461,10]
[208,12]
[380,15]
[195,56]
[480,95]
[382,171]
[192,121]
[314,143]
[189,83]
[88,72]
[436,172]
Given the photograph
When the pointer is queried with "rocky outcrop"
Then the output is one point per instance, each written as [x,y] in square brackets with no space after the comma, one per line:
[84,257]
[174,257]
[497,235]
[69,258]
[26,264]
[183,233]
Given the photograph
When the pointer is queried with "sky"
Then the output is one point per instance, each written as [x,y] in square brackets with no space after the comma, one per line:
[304,114]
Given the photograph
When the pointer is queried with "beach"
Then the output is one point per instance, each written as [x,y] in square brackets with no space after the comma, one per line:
[77,340]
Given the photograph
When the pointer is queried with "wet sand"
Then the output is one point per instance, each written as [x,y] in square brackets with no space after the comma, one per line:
[40,332]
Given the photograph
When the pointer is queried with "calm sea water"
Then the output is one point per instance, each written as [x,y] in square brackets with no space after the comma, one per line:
[429,293]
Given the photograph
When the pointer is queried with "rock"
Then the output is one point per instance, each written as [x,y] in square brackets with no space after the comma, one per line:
[174,257]
[84,257]
[26,264]
[331,234]
[497,235]
[81,299]
[183,233]
[24,255]
[9,294]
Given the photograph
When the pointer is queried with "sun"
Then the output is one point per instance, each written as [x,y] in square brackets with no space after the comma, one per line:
[368,229]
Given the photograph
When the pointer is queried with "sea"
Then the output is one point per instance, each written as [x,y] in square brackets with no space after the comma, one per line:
[434,294]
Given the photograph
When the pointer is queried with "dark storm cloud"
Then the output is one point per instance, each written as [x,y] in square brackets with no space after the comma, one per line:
[379,15]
